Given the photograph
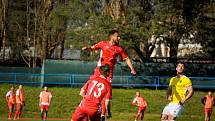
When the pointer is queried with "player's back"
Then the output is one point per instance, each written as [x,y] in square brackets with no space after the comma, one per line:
[97,89]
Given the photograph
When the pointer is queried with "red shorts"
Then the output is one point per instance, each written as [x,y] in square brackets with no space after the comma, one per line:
[10,105]
[81,114]
[208,111]
[141,109]
[44,107]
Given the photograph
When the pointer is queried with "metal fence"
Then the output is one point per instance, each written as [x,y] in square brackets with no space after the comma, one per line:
[118,81]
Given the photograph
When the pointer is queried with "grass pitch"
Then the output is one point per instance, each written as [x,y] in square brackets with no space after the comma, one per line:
[65,100]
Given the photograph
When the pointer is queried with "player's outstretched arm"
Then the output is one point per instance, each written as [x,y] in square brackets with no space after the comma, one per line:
[128,62]
[88,48]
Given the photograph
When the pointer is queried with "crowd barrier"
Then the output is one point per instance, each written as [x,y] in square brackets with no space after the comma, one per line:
[117,81]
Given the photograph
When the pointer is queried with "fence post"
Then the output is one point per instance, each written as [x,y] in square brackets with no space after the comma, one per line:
[157,78]
[14,80]
[70,80]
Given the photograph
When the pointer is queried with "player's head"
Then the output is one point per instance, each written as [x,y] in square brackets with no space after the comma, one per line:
[209,93]
[20,86]
[138,93]
[180,68]
[114,36]
[45,88]
[11,87]
[104,70]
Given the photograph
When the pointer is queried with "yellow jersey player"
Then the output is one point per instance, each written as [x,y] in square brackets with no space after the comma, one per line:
[180,90]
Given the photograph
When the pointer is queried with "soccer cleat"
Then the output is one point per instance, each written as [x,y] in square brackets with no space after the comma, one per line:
[109,115]
[103,118]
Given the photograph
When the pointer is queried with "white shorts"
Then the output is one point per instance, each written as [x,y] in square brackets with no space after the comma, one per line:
[173,109]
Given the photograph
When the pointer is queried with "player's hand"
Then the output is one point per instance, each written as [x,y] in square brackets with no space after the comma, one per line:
[133,72]
[169,98]
[84,48]
[182,102]
[23,103]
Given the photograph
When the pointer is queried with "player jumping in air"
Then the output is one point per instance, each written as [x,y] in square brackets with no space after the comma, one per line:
[109,50]
[45,100]
[20,102]
[141,103]
[180,90]
[93,92]
[208,101]
[10,97]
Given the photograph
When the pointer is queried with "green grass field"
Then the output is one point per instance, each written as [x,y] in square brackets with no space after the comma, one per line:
[65,100]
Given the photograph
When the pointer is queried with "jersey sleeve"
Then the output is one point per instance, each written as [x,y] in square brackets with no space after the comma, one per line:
[97,45]
[134,100]
[50,95]
[170,82]
[108,94]
[187,82]
[85,87]
[145,102]
[123,54]
[17,93]
[8,94]
[40,94]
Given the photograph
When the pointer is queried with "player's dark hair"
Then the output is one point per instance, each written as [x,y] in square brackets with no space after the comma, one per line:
[181,63]
[113,32]
[104,70]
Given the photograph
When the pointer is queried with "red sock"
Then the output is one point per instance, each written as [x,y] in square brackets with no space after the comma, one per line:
[9,114]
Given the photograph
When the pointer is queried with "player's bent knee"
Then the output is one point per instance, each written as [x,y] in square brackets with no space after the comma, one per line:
[163,117]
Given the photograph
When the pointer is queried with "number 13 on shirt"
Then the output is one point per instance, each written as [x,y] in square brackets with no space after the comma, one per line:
[96,93]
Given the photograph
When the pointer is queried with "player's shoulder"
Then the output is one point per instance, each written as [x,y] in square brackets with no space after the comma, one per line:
[172,78]
[186,79]
[103,42]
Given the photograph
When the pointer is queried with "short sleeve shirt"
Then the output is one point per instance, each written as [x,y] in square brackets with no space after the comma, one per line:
[109,53]
[179,86]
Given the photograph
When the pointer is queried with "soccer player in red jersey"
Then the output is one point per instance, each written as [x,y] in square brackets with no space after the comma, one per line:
[110,49]
[45,100]
[93,92]
[20,102]
[141,103]
[10,97]
[208,101]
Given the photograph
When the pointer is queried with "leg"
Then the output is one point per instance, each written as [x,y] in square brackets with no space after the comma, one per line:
[166,110]
[18,107]
[20,112]
[175,111]
[10,106]
[164,117]
[94,115]
[206,116]
[142,115]
[79,115]
[171,118]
